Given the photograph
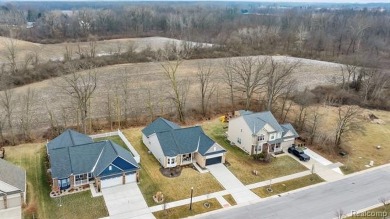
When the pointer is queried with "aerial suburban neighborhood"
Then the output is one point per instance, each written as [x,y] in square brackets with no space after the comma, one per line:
[194,109]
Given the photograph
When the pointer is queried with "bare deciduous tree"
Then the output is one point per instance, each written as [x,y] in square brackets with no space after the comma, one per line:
[10,55]
[28,111]
[80,87]
[179,87]
[315,120]
[248,75]
[277,78]
[7,101]
[207,87]
[345,122]
[228,78]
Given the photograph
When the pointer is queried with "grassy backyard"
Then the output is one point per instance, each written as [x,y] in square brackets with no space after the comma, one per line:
[173,189]
[81,205]
[288,185]
[242,165]
[184,211]
[115,139]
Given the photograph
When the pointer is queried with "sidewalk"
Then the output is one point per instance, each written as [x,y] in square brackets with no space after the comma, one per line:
[280,179]
[234,186]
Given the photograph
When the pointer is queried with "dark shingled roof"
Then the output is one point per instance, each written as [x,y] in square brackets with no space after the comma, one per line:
[69,138]
[257,121]
[159,125]
[288,127]
[85,158]
[12,175]
[184,140]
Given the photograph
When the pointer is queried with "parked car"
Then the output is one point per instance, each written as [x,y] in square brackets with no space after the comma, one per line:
[298,153]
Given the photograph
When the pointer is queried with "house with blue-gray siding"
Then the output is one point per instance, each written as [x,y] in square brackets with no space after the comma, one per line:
[76,160]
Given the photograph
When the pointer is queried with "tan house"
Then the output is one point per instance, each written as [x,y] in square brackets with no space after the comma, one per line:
[257,132]
[175,146]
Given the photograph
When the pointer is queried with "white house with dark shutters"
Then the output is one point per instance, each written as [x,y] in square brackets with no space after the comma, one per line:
[257,132]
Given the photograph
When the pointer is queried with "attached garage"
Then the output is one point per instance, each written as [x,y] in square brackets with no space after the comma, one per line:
[112,181]
[214,160]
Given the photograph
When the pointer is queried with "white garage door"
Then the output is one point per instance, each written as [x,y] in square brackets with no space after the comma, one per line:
[111,182]
[130,178]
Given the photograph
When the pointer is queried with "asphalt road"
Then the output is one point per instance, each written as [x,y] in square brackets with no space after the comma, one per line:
[352,193]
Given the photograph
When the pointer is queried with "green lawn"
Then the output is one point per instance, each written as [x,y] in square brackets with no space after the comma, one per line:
[115,139]
[229,198]
[288,185]
[81,205]
[184,211]
[173,189]
[242,164]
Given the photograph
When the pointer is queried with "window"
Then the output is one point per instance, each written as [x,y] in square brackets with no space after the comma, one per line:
[239,140]
[241,130]
[110,168]
[171,160]
[272,137]
[261,137]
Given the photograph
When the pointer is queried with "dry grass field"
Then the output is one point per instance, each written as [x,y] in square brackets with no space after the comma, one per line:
[54,52]
[362,143]
[142,77]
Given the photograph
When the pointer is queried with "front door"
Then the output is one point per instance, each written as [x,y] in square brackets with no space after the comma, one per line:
[64,183]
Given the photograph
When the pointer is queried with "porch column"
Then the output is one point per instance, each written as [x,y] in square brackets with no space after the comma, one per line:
[5,201]
[55,186]
[98,185]
[71,179]
[137,176]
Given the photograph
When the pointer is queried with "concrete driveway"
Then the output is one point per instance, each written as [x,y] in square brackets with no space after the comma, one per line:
[234,186]
[125,202]
[11,213]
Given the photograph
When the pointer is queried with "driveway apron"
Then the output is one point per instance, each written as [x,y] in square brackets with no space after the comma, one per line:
[238,190]
[126,201]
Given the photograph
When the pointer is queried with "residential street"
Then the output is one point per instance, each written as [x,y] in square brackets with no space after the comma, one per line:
[352,193]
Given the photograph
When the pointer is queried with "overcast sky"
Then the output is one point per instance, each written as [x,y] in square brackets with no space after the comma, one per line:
[305,1]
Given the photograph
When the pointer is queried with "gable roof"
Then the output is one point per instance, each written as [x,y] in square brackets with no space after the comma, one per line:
[257,121]
[159,125]
[68,138]
[85,158]
[288,127]
[12,175]
[184,140]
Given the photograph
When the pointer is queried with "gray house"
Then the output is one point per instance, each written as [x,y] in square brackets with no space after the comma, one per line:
[257,132]
[77,160]
[12,190]
[175,146]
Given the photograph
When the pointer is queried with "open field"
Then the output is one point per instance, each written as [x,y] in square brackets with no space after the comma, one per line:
[32,157]
[184,211]
[173,189]
[242,165]
[141,77]
[55,52]
[288,185]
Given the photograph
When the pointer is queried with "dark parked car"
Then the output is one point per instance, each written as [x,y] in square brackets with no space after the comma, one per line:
[298,153]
